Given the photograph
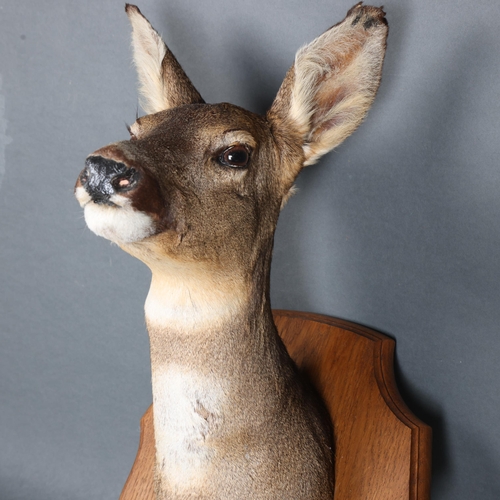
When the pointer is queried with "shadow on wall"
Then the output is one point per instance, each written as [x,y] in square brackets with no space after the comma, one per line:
[451,235]
[431,413]
[428,142]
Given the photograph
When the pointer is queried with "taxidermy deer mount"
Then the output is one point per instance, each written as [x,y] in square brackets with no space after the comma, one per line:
[195,194]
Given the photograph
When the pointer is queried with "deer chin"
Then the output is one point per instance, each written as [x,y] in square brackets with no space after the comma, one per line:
[120,222]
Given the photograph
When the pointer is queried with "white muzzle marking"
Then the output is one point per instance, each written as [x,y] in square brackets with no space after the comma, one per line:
[120,224]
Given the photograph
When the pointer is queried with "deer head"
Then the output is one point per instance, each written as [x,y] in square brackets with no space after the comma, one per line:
[195,193]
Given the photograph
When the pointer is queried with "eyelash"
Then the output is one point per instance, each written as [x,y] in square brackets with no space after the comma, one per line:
[132,135]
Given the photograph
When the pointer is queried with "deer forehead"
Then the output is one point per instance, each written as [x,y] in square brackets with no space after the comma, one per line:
[204,123]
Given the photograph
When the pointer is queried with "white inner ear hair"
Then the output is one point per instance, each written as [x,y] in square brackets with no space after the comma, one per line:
[336,78]
[149,51]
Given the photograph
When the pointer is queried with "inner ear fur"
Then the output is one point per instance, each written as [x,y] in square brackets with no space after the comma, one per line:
[329,89]
[163,84]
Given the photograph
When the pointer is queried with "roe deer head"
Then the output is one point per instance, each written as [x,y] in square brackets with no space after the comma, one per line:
[195,194]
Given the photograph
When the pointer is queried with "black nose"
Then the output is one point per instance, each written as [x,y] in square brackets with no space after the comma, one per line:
[102,178]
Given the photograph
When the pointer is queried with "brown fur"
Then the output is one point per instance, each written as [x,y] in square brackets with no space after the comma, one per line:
[233,418]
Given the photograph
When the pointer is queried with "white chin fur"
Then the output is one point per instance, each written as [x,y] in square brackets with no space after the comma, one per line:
[82,196]
[118,224]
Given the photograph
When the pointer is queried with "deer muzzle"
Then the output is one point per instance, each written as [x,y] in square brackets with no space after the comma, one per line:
[103,177]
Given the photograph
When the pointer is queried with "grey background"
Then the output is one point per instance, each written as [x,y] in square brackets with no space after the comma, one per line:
[398,229]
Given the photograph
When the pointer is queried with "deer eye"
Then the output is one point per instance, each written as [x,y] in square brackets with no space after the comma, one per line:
[235,156]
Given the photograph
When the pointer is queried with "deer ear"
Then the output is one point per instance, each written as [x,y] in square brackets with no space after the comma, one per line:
[162,81]
[328,91]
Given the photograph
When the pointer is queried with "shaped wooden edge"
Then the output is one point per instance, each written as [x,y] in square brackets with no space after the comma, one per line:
[383,351]
[140,480]
[139,484]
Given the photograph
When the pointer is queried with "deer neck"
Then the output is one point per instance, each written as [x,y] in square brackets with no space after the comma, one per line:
[199,313]
[205,301]
[215,361]
[191,301]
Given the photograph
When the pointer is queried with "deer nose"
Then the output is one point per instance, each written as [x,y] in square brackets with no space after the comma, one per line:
[103,177]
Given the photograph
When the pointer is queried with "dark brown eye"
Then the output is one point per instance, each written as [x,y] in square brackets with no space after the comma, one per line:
[235,157]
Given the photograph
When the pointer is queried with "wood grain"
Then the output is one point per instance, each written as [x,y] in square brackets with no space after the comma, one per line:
[382,451]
